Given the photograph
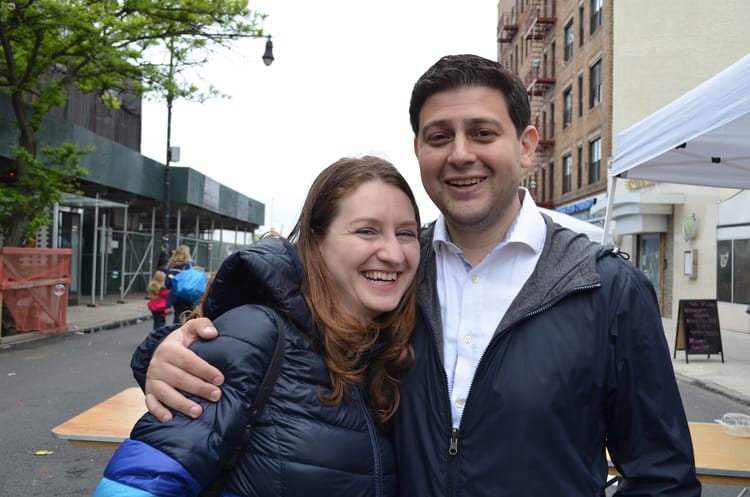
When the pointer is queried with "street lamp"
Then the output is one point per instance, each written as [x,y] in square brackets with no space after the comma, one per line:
[173,153]
[164,252]
[268,54]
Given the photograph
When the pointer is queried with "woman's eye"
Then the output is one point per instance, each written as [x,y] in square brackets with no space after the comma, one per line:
[366,231]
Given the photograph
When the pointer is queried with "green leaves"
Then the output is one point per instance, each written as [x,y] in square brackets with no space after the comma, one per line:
[106,47]
[39,184]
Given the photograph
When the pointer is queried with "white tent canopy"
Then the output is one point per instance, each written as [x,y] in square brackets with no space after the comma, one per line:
[702,138]
[593,231]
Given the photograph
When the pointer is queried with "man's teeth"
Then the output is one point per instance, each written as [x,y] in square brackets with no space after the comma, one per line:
[466,182]
[379,275]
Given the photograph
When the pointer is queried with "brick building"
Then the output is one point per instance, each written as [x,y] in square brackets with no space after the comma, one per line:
[595,67]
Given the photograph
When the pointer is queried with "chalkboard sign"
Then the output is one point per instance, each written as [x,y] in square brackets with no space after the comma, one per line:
[698,330]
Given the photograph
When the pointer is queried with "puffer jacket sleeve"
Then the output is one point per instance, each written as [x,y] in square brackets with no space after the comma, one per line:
[184,455]
[648,436]
[145,351]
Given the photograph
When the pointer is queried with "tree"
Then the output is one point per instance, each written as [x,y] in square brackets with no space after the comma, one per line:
[100,46]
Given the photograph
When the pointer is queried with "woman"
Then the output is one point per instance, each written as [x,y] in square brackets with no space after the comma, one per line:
[345,293]
[180,261]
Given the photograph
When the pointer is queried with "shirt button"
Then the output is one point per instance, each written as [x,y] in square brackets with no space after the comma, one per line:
[460,403]
[467,339]
[474,278]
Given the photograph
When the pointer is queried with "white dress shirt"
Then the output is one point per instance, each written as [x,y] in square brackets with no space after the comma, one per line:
[473,300]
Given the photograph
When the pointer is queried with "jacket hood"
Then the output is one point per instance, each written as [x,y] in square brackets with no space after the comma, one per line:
[266,273]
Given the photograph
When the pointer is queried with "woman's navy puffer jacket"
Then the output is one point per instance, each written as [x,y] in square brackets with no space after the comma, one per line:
[298,446]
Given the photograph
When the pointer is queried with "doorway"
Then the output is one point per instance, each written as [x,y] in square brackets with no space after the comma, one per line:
[650,257]
[69,221]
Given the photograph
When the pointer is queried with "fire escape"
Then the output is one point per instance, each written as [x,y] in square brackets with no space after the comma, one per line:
[539,75]
[507,28]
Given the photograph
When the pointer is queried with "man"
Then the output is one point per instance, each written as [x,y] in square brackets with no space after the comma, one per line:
[536,349]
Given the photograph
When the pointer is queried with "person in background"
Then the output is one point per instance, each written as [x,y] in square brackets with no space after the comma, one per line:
[536,350]
[163,261]
[344,289]
[180,260]
[157,298]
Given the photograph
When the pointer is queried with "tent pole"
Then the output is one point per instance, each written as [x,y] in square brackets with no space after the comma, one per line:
[608,214]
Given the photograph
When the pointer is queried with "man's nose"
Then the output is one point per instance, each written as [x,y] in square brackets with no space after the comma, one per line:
[462,151]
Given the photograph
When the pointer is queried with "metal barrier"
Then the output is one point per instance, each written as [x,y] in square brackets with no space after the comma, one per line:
[34,286]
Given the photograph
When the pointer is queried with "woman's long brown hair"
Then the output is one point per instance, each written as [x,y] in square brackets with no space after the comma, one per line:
[374,354]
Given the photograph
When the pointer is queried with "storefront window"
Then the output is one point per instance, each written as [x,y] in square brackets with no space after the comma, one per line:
[733,271]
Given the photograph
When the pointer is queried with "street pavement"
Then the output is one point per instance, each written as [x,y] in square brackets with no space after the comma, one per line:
[98,363]
[730,378]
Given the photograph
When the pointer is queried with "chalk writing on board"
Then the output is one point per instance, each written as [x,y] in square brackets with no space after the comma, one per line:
[698,329]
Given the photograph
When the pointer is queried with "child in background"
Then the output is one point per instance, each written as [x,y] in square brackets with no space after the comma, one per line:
[157,298]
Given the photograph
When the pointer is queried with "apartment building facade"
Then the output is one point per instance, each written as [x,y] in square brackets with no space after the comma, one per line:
[563,52]
[595,67]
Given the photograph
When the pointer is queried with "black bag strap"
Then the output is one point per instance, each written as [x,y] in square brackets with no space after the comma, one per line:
[269,380]
[264,391]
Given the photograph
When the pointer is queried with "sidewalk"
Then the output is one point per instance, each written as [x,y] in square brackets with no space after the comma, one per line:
[109,313]
[106,314]
[730,378]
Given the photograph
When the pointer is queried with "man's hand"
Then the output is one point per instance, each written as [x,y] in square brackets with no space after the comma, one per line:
[175,367]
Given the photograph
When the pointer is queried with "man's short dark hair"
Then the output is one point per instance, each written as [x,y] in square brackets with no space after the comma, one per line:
[460,71]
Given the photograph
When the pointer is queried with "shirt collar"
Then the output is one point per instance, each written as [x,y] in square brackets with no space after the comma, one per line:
[527,228]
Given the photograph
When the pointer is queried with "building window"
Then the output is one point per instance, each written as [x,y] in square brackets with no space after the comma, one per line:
[579,167]
[580,26]
[551,180]
[567,107]
[552,119]
[733,271]
[595,84]
[552,57]
[595,159]
[580,95]
[568,41]
[567,161]
[596,14]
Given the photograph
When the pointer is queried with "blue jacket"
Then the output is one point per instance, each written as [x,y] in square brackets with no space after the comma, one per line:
[578,364]
[298,447]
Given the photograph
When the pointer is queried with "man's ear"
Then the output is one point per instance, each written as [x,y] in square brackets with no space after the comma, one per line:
[529,140]
[416,147]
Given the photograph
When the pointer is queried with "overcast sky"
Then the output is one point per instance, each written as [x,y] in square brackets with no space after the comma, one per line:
[339,86]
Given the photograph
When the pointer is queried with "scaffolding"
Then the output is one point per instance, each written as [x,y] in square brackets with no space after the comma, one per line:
[116,245]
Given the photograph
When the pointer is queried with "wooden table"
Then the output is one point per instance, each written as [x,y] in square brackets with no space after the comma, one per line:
[719,458]
[106,424]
